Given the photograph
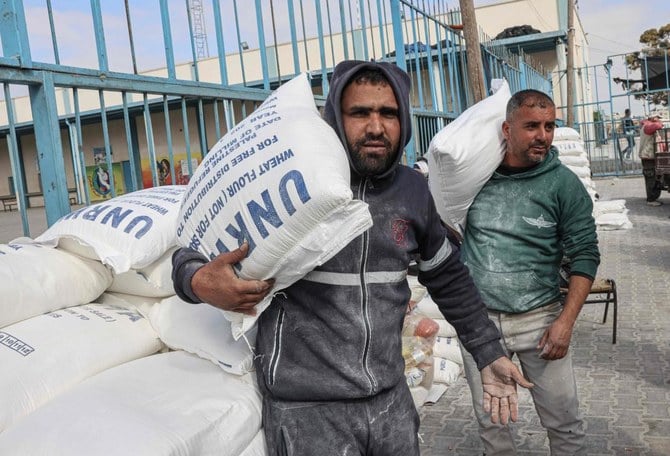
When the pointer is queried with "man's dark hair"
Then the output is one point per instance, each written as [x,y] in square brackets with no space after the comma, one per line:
[369,76]
[531,98]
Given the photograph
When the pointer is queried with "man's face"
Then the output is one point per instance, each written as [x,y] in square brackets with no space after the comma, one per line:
[529,135]
[371,125]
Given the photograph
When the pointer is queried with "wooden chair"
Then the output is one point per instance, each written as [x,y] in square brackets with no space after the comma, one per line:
[603,290]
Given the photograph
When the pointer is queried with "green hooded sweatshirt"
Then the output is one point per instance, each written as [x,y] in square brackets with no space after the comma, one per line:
[518,229]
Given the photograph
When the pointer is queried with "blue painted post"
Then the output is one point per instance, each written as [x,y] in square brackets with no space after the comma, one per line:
[240,51]
[343,30]
[294,37]
[14,160]
[49,150]
[361,9]
[15,44]
[261,45]
[132,158]
[522,75]
[80,141]
[99,31]
[148,128]
[105,136]
[322,49]
[396,18]
[220,45]
[187,137]
[167,39]
[168,136]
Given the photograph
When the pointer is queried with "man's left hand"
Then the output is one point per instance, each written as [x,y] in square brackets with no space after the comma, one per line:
[499,380]
[555,341]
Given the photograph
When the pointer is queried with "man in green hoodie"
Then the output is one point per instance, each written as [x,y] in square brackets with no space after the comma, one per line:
[530,214]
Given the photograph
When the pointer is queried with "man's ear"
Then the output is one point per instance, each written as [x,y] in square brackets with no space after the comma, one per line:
[505,129]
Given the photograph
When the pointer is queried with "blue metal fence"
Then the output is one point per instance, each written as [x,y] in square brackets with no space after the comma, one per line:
[609,88]
[135,92]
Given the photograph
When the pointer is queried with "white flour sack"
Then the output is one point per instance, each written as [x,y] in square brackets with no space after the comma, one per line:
[203,330]
[566,134]
[35,279]
[464,154]
[129,231]
[279,180]
[46,355]
[154,280]
[169,404]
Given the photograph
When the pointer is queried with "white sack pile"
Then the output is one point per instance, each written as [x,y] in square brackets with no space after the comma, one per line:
[204,331]
[127,232]
[609,215]
[464,154]
[44,356]
[93,293]
[572,154]
[165,404]
[36,279]
[280,181]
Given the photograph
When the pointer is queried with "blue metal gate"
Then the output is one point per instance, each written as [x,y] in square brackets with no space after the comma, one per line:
[112,101]
[612,87]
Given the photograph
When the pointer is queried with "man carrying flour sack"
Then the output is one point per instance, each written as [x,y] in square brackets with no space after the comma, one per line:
[531,214]
[328,350]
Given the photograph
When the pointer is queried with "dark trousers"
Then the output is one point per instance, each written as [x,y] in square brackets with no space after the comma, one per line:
[383,425]
[651,185]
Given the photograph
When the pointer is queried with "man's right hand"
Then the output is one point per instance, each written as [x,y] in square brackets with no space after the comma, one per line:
[217,284]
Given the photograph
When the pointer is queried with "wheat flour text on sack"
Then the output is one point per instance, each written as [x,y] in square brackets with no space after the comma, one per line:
[279,181]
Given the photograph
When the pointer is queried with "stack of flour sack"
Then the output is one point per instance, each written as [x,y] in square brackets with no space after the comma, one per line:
[609,215]
[100,357]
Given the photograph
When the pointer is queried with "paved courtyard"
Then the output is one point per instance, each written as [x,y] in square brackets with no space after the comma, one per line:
[624,388]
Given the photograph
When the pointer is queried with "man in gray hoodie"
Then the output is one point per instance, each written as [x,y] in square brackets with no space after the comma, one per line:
[328,351]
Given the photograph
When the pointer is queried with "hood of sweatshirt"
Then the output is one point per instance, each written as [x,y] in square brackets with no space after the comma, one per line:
[400,83]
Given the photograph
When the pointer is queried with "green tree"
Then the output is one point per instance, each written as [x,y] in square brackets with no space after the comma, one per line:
[656,44]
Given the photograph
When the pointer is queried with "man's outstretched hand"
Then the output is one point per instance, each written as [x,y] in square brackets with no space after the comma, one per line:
[499,380]
[217,284]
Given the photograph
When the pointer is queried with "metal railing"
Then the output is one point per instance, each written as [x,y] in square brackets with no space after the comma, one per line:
[603,92]
[123,96]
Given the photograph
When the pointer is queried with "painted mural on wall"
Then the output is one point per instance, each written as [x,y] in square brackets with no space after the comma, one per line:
[164,171]
[100,182]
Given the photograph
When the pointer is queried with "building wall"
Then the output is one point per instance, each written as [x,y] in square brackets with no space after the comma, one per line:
[545,16]
[539,14]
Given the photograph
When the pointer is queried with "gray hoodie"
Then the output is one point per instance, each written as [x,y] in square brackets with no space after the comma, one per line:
[336,333]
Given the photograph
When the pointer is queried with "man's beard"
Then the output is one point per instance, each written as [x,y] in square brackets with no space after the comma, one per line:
[532,157]
[371,166]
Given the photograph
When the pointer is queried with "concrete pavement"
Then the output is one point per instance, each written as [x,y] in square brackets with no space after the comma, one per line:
[624,388]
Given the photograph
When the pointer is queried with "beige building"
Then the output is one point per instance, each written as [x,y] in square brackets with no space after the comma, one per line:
[549,47]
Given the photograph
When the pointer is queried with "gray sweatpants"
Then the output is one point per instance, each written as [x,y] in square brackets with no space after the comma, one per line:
[383,425]
[554,393]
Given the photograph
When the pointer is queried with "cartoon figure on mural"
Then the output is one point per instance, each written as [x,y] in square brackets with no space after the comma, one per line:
[163,168]
[100,179]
